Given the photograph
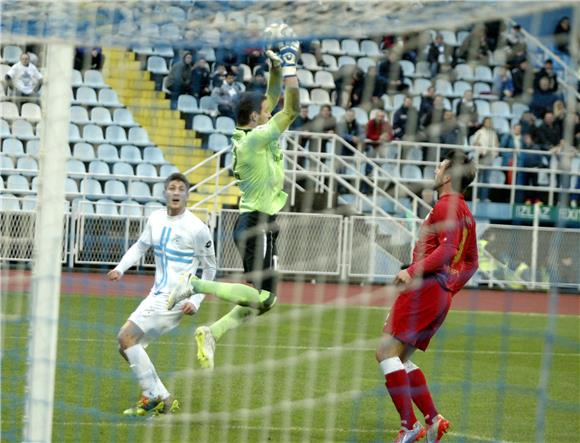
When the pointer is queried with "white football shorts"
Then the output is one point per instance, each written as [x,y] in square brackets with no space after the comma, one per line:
[153,318]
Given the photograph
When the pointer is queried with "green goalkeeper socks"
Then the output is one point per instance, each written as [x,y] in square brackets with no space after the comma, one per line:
[236,317]
[232,292]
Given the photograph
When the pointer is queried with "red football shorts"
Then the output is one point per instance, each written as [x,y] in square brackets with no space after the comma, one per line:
[417,314]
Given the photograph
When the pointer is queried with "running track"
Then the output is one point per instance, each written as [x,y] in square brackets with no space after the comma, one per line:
[308,293]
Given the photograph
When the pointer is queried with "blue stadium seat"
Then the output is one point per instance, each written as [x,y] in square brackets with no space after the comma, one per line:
[187,104]
[105,206]
[107,153]
[116,135]
[86,96]
[93,134]
[166,170]
[27,166]
[123,117]
[98,167]
[139,137]
[83,151]
[94,79]
[13,147]
[9,203]
[115,189]
[9,111]
[101,116]
[153,155]
[139,191]
[157,65]
[75,167]
[130,154]
[130,208]
[123,169]
[23,130]
[203,124]
[91,188]
[217,142]
[146,170]
[79,115]
[17,183]
[225,125]
[109,98]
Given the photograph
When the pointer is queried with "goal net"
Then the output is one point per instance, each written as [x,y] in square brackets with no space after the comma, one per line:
[133,91]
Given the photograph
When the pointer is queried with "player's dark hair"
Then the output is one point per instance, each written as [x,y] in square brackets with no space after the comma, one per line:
[177,176]
[249,102]
[461,169]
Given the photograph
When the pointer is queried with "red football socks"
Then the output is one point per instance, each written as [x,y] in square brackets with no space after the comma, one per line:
[421,395]
[397,384]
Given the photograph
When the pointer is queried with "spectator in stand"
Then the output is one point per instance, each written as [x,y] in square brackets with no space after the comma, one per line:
[512,140]
[219,75]
[434,115]
[493,31]
[88,59]
[389,76]
[467,113]
[516,40]
[302,122]
[258,83]
[350,84]
[178,80]
[547,72]
[24,78]
[522,79]
[559,111]
[426,105]
[564,154]
[543,99]
[475,46]
[562,36]
[227,56]
[439,56]
[548,134]
[486,142]
[502,84]
[255,57]
[228,94]
[200,80]
[528,160]
[450,132]
[349,129]
[324,122]
[378,133]
[406,121]
[528,122]
[577,132]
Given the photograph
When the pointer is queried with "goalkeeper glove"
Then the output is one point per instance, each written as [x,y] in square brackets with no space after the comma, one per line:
[289,52]
[274,58]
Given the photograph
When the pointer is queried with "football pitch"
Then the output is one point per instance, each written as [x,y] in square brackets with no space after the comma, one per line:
[301,373]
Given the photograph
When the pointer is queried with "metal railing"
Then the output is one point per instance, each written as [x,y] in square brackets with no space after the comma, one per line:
[356,248]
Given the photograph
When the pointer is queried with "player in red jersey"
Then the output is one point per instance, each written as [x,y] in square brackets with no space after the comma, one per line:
[444,259]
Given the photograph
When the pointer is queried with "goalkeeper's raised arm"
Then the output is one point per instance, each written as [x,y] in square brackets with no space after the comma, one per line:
[284,65]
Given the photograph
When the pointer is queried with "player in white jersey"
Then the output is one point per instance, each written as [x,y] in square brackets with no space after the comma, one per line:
[182,243]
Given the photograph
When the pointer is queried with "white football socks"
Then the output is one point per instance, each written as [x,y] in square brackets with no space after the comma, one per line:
[145,372]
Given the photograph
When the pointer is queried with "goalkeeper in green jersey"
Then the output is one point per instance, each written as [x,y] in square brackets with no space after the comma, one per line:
[259,169]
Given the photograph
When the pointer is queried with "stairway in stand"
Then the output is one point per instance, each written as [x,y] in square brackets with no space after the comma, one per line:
[165,127]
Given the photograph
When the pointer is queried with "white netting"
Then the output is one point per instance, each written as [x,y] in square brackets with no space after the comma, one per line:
[238,23]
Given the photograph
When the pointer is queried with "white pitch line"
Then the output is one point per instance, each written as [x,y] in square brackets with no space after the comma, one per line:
[316,348]
[164,424]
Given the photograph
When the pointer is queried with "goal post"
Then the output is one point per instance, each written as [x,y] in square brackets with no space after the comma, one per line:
[47,259]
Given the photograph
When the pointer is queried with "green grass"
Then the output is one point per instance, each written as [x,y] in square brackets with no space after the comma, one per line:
[297,374]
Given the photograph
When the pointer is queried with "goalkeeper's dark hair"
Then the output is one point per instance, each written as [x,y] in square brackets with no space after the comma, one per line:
[461,169]
[179,177]
[249,102]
